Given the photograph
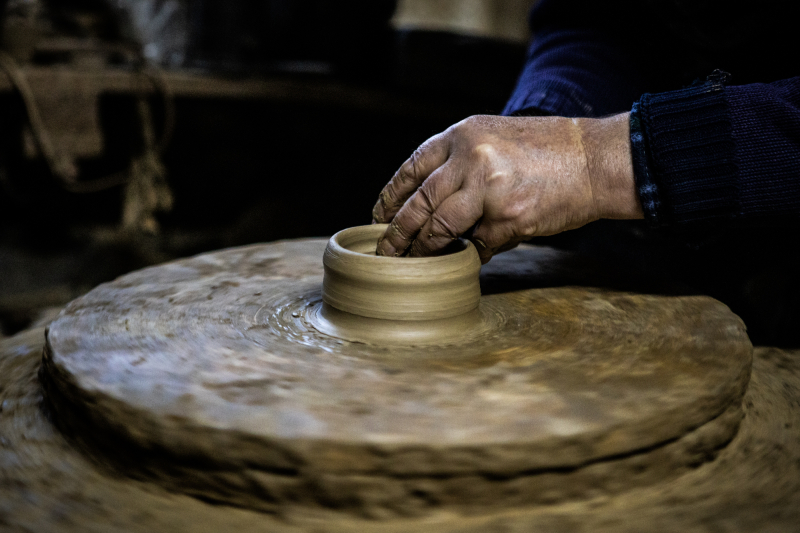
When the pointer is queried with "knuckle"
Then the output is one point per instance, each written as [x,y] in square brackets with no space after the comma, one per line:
[440,226]
[404,174]
[424,198]
[409,171]
[396,232]
[509,209]
[513,210]
[484,152]
[500,179]
[527,231]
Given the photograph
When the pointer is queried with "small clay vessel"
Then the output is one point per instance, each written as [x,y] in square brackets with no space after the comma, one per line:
[397,300]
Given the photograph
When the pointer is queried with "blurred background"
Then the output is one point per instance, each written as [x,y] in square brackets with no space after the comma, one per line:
[133,132]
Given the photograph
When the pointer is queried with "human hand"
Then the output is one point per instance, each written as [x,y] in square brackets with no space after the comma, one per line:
[512,178]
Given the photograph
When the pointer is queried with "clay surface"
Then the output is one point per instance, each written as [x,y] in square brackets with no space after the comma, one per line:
[397,300]
[753,484]
[204,376]
[359,282]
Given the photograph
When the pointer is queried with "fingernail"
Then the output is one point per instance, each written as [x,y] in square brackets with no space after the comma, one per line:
[479,243]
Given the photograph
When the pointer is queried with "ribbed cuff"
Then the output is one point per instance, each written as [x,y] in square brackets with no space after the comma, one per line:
[647,188]
[683,154]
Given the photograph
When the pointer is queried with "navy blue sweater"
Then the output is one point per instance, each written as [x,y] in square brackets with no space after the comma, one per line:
[704,152]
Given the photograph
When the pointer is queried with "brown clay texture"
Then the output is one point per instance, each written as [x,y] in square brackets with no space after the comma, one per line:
[203,377]
[394,300]
[752,485]
[359,282]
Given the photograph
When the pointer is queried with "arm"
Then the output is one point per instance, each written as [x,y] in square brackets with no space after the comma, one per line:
[702,154]
[512,178]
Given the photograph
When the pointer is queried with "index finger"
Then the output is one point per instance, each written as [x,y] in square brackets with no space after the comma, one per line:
[431,154]
[440,185]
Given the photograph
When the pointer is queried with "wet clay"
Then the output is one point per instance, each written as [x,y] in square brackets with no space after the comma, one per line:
[398,300]
[204,377]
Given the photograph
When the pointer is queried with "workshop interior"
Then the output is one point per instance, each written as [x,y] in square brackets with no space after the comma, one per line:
[196,332]
[135,132]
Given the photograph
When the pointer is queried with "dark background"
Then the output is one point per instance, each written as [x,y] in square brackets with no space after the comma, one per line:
[341,99]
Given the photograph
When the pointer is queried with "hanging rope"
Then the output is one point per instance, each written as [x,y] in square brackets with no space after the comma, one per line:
[63,168]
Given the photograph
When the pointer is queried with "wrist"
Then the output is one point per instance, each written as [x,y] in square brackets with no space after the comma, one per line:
[607,148]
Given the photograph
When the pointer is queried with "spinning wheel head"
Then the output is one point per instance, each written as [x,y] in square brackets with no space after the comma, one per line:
[207,376]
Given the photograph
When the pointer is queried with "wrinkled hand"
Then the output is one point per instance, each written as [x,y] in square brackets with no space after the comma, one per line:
[512,178]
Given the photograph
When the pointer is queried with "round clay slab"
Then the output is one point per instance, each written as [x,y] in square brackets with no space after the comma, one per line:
[206,366]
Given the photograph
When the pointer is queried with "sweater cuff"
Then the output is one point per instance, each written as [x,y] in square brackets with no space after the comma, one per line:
[683,154]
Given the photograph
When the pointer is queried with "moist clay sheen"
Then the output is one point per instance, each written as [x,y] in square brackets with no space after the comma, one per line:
[397,300]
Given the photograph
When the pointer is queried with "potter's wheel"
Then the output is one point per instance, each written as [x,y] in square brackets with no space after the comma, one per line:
[204,376]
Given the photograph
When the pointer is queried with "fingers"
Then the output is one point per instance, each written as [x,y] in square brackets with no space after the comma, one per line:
[405,226]
[431,155]
[452,218]
[491,239]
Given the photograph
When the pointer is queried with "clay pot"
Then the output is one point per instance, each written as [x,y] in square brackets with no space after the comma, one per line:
[394,300]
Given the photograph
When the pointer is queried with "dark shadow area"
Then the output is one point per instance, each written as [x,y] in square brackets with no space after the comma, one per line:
[340,101]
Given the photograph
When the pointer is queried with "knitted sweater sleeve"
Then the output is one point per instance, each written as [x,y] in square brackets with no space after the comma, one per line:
[579,64]
[717,154]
